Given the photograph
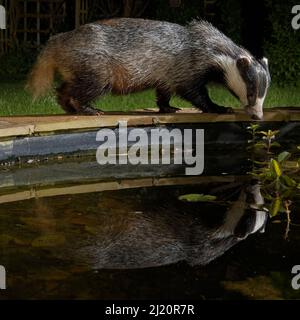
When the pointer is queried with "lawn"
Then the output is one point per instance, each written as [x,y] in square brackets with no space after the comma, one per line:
[14,100]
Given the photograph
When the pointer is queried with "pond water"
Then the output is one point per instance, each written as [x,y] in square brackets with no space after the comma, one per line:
[72,229]
[142,242]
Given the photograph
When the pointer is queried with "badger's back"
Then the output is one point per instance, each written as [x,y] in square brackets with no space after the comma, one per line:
[149,50]
[125,55]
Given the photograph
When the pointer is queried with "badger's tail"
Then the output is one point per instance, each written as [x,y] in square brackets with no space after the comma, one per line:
[41,76]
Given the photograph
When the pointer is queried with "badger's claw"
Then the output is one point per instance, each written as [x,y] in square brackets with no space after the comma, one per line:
[99,113]
[168,109]
[88,110]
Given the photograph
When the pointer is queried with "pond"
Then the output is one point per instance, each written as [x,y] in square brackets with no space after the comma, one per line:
[145,243]
[69,230]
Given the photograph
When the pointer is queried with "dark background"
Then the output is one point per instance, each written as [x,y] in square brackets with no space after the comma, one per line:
[263,27]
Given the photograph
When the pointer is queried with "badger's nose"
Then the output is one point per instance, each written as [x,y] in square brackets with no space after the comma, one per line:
[256,117]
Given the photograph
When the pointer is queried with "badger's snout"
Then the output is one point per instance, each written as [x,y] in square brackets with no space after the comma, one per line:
[256,112]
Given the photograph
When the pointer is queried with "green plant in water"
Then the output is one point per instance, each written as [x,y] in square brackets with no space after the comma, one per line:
[279,177]
[262,140]
[195,197]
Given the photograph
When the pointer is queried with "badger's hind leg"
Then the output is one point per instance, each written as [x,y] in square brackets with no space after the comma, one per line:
[75,97]
[163,97]
[63,98]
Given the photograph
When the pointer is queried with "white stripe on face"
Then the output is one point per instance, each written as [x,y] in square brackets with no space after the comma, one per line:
[260,220]
[257,109]
[233,77]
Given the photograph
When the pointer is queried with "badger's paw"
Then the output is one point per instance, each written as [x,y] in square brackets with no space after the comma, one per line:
[223,110]
[168,109]
[91,111]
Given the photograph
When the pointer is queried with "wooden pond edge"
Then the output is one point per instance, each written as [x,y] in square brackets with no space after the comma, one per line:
[38,125]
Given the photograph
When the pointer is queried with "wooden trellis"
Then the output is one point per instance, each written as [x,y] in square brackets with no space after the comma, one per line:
[30,22]
[209,8]
[81,12]
[4,33]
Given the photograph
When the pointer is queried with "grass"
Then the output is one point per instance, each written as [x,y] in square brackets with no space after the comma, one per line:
[14,100]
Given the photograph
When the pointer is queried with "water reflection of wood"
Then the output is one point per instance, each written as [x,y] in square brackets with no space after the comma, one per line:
[50,191]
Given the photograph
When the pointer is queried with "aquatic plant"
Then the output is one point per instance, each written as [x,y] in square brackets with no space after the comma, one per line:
[262,140]
[278,175]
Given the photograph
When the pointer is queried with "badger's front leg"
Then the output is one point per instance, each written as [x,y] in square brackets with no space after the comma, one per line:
[199,97]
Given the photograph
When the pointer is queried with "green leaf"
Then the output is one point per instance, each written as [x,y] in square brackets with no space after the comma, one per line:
[268,197]
[256,175]
[260,162]
[283,156]
[253,127]
[288,181]
[276,167]
[194,197]
[288,193]
[275,207]
[259,145]
[264,133]
[275,145]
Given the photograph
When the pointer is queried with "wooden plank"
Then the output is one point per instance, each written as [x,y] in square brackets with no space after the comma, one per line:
[8,129]
[27,125]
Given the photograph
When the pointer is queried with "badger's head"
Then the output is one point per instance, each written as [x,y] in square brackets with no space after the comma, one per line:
[248,79]
[255,216]
[246,215]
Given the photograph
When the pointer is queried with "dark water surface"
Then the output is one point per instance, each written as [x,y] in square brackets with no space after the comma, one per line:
[143,242]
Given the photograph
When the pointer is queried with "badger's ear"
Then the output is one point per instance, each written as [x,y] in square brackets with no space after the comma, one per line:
[243,63]
[264,61]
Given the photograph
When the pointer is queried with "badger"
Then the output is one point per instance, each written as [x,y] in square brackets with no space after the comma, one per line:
[155,237]
[125,55]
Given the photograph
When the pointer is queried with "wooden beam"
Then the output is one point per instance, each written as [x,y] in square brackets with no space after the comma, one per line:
[28,125]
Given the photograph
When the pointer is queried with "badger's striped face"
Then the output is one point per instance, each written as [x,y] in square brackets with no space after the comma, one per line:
[255,216]
[256,80]
[248,79]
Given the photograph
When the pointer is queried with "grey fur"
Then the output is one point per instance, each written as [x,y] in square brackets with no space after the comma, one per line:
[127,55]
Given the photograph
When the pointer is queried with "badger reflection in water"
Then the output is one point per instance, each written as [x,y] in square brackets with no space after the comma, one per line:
[178,233]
